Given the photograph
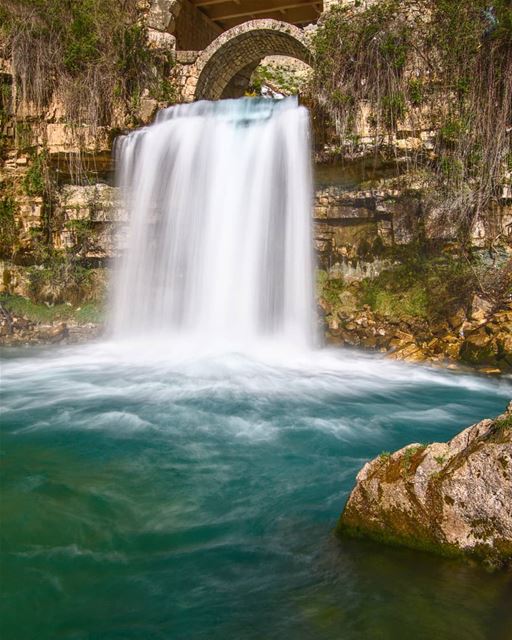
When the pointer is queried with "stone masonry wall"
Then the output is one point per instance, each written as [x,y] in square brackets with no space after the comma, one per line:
[193,30]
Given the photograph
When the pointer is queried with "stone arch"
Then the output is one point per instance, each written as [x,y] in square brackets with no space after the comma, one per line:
[229,60]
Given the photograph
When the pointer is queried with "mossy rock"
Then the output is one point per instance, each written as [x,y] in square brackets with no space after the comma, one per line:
[448,498]
[479,349]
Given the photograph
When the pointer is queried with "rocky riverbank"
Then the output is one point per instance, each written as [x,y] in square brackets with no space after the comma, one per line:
[452,498]
[476,333]
[21,329]
[482,342]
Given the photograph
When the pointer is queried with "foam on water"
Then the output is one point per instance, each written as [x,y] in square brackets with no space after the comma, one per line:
[182,479]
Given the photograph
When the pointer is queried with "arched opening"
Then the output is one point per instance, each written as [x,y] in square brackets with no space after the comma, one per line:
[226,65]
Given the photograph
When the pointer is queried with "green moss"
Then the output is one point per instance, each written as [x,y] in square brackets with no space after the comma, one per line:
[34,182]
[399,531]
[419,542]
[416,91]
[8,227]
[422,285]
[479,355]
[408,303]
[505,423]
[331,290]
[39,312]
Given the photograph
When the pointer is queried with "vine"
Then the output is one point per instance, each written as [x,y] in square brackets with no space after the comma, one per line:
[450,63]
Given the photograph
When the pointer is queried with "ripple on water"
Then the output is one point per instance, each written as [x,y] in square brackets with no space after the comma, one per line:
[174,496]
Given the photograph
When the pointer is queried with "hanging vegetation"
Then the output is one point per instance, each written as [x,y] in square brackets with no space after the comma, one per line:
[92,54]
[405,63]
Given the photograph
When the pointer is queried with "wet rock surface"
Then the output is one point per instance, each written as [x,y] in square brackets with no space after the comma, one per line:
[16,330]
[479,338]
[452,498]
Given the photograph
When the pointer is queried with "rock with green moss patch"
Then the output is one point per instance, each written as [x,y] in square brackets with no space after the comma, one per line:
[453,498]
[479,347]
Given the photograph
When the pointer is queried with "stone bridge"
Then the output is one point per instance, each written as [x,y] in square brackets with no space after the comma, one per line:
[219,43]
[224,68]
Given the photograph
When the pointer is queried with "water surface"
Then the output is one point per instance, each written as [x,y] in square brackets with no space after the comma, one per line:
[151,494]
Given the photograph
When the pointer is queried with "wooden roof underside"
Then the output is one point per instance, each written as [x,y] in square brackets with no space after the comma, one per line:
[229,13]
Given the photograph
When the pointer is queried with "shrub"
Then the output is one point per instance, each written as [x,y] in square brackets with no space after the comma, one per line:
[391,55]
[59,281]
[93,53]
[8,227]
[34,182]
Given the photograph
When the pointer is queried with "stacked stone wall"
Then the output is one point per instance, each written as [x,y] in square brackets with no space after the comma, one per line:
[243,46]
[193,30]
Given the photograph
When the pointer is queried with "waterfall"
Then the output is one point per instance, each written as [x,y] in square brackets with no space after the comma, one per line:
[218,244]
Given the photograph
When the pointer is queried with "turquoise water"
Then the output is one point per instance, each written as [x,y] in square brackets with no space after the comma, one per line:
[160,496]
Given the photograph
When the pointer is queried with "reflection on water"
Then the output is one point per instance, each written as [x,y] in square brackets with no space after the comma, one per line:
[151,494]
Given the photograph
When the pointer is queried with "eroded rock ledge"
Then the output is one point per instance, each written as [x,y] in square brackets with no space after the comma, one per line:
[453,498]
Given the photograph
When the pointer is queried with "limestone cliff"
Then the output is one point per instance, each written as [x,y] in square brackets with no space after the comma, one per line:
[453,498]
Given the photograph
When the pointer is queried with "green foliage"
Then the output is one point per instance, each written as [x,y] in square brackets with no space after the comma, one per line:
[392,55]
[331,289]
[8,227]
[60,280]
[24,137]
[278,77]
[393,108]
[165,91]
[5,102]
[95,53]
[82,236]
[505,423]
[451,168]
[451,132]
[82,44]
[423,286]
[416,92]
[40,312]
[34,182]
[394,49]
[408,455]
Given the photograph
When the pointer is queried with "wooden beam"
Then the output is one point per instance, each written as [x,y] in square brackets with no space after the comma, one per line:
[207,3]
[228,10]
[299,15]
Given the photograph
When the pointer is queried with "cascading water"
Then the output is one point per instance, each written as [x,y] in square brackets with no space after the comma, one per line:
[179,489]
[218,196]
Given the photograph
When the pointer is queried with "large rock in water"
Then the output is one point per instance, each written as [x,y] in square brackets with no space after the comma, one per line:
[453,498]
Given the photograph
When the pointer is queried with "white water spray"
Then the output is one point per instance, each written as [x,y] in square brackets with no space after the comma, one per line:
[219,243]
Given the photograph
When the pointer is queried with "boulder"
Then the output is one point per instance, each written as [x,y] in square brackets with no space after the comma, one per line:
[480,309]
[479,348]
[54,333]
[457,319]
[453,498]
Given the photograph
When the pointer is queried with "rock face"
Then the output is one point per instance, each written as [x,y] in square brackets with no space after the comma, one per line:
[453,498]
[479,338]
